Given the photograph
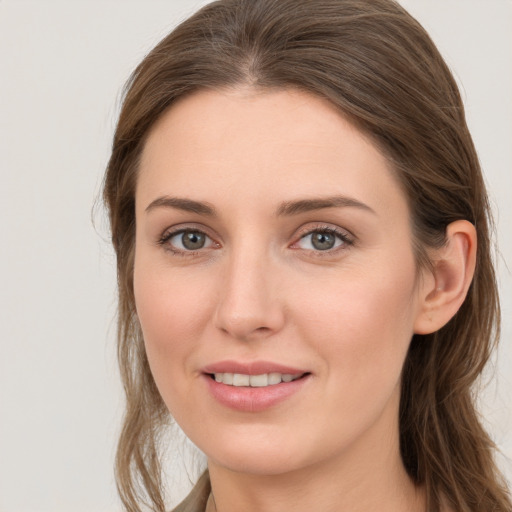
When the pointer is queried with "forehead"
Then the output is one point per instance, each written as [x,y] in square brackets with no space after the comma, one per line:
[264,146]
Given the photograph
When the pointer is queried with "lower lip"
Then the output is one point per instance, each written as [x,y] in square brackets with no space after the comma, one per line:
[248,399]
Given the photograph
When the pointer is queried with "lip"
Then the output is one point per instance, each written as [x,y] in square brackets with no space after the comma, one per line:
[251,368]
[253,399]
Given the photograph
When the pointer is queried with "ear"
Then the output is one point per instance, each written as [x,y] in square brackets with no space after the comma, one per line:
[444,287]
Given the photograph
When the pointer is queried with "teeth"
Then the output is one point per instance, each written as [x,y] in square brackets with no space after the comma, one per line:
[254,381]
[240,379]
[274,378]
[258,381]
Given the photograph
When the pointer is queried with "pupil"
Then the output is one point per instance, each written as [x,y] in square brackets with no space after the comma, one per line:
[323,241]
[193,240]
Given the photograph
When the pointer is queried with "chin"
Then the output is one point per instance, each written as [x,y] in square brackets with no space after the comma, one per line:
[268,453]
[257,454]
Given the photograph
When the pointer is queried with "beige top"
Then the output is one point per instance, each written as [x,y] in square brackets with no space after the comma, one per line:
[198,496]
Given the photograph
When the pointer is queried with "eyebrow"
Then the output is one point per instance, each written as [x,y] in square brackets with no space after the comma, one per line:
[308,205]
[179,203]
[287,208]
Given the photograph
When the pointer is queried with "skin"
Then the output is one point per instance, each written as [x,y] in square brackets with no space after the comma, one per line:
[260,290]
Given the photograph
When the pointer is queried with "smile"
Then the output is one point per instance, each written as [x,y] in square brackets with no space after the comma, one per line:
[248,392]
[254,381]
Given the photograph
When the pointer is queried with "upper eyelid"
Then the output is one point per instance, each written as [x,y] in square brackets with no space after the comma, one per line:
[172,234]
[171,231]
[331,228]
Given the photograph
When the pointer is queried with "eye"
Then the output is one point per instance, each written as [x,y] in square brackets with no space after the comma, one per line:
[323,240]
[187,240]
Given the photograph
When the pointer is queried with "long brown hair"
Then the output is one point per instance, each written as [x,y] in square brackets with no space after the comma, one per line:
[378,66]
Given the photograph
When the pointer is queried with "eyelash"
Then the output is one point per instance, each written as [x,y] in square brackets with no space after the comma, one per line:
[346,240]
[168,235]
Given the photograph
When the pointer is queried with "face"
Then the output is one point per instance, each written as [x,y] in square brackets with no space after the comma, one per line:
[275,280]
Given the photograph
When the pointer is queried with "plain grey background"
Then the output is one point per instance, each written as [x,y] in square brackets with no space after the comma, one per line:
[62,66]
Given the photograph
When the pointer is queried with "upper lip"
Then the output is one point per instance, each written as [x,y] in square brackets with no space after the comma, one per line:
[251,368]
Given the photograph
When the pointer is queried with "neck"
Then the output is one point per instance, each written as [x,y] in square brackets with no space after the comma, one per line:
[371,477]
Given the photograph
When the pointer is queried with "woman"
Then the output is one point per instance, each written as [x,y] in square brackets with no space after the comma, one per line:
[296,205]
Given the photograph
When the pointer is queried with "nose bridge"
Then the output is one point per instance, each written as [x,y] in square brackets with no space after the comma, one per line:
[249,303]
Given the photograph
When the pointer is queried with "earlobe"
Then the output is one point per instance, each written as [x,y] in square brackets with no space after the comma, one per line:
[453,268]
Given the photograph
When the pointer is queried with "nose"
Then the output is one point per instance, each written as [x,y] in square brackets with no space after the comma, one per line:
[250,305]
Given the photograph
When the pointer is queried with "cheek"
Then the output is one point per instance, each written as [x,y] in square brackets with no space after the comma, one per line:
[363,329]
[160,315]
[172,310]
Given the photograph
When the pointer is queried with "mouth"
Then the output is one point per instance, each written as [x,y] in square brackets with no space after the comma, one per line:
[255,381]
[254,387]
